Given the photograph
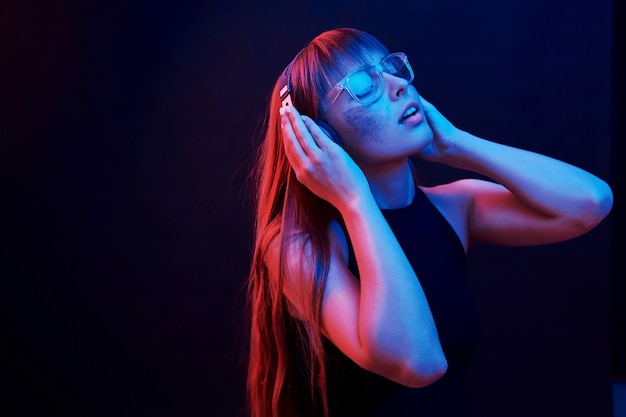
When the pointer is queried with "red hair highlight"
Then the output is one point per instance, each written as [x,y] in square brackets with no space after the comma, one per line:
[286,369]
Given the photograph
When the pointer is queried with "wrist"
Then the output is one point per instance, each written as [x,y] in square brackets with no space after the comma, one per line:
[460,149]
[357,203]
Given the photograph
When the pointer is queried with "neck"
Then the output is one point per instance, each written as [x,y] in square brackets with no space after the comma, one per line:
[392,185]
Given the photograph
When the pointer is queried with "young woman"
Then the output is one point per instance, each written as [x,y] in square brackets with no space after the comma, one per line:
[358,289]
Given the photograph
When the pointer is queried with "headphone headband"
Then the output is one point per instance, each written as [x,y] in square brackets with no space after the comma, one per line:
[285,98]
[285,82]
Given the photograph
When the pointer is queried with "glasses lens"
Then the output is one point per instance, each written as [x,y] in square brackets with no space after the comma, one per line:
[398,65]
[365,85]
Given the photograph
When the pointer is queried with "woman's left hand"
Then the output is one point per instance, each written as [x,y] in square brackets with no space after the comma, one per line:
[445,134]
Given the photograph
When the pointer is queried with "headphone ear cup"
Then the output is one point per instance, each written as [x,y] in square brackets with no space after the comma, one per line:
[329,131]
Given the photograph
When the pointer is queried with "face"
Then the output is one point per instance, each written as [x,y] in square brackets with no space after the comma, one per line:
[389,129]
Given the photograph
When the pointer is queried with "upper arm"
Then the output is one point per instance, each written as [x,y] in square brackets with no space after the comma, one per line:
[409,355]
[495,215]
[340,300]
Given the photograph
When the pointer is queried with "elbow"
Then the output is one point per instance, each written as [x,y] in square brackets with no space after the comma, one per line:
[424,372]
[596,207]
[414,365]
[604,201]
[412,371]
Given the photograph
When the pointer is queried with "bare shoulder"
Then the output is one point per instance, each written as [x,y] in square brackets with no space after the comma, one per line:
[338,241]
[460,189]
[454,199]
[286,258]
[298,247]
[290,269]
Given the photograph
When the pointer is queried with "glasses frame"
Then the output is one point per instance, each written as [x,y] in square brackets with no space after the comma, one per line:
[344,83]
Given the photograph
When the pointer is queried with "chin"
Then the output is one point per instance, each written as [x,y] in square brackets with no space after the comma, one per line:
[422,136]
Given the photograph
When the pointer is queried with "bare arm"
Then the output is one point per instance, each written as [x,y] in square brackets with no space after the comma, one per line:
[537,199]
[382,322]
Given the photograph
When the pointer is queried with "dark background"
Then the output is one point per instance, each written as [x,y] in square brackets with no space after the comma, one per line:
[125,139]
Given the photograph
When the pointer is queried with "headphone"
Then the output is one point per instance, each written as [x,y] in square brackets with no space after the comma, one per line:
[285,99]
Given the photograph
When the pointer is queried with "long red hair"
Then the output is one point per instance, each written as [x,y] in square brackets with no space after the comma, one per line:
[286,369]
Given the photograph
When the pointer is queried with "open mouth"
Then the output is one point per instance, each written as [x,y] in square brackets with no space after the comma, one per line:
[410,112]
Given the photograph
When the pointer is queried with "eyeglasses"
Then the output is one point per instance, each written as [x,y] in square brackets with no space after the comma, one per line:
[366,84]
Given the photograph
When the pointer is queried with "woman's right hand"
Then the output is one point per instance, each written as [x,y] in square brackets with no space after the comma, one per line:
[319,163]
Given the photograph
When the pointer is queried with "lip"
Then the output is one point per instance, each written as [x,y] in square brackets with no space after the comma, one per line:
[415,119]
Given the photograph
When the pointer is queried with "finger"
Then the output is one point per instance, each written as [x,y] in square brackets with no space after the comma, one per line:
[428,106]
[321,137]
[293,149]
[309,145]
[432,114]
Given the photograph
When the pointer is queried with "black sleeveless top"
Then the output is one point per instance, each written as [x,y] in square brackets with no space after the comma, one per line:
[438,258]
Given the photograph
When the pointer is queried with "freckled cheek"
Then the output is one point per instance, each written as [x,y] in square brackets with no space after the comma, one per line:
[364,126]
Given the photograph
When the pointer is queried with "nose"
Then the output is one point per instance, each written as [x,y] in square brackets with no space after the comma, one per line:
[396,86]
